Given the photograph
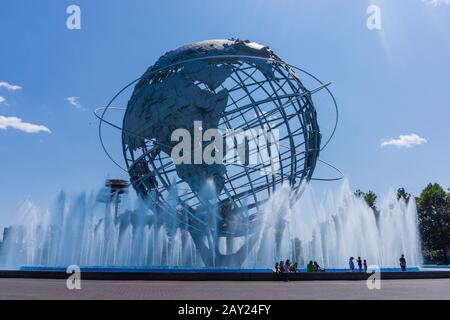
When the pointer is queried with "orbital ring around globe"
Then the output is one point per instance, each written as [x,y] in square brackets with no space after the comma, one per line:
[101,112]
[186,83]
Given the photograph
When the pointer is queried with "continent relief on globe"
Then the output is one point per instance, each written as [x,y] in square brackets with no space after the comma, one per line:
[177,97]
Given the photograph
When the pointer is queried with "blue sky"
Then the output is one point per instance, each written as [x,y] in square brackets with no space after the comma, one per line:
[389,82]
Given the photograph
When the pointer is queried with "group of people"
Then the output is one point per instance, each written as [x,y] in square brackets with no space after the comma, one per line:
[314,267]
[288,267]
[362,264]
[285,267]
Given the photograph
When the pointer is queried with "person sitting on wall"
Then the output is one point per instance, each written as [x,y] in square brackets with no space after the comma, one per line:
[287,266]
[281,266]
[317,268]
[277,268]
[310,267]
[294,268]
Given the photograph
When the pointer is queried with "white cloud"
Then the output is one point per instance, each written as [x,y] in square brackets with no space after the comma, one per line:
[8,86]
[17,123]
[437,2]
[405,141]
[74,102]
[2,99]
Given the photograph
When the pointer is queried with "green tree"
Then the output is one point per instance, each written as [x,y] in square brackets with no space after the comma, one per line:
[402,194]
[433,207]
[370,198]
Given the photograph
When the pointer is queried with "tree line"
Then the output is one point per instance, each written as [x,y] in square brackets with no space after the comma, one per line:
[433,206]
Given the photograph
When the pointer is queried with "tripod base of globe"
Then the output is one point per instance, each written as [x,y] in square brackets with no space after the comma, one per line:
[213,258]
[227,237]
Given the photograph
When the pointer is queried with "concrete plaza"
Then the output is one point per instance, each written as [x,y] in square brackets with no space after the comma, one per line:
[211,290]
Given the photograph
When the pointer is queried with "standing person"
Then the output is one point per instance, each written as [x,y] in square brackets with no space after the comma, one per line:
[310,267]
[403,263]
[294,268]
[359,261]
[351,264]
[365,265]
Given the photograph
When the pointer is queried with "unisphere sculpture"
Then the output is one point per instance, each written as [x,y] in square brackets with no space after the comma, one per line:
[228,85]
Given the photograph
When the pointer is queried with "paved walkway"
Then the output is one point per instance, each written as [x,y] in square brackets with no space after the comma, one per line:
[161,290]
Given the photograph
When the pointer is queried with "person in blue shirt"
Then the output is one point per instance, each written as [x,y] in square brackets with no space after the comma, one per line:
[351,264]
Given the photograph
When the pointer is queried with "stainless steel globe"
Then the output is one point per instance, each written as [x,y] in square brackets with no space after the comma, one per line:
[229,85]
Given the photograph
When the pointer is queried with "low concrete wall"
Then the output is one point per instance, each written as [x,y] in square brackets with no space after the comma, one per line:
[234,276]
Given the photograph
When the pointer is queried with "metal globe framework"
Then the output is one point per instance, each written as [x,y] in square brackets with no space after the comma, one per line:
[262,91]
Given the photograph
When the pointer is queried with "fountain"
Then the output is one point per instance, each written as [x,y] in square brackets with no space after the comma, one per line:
[244,211]
[88,231]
